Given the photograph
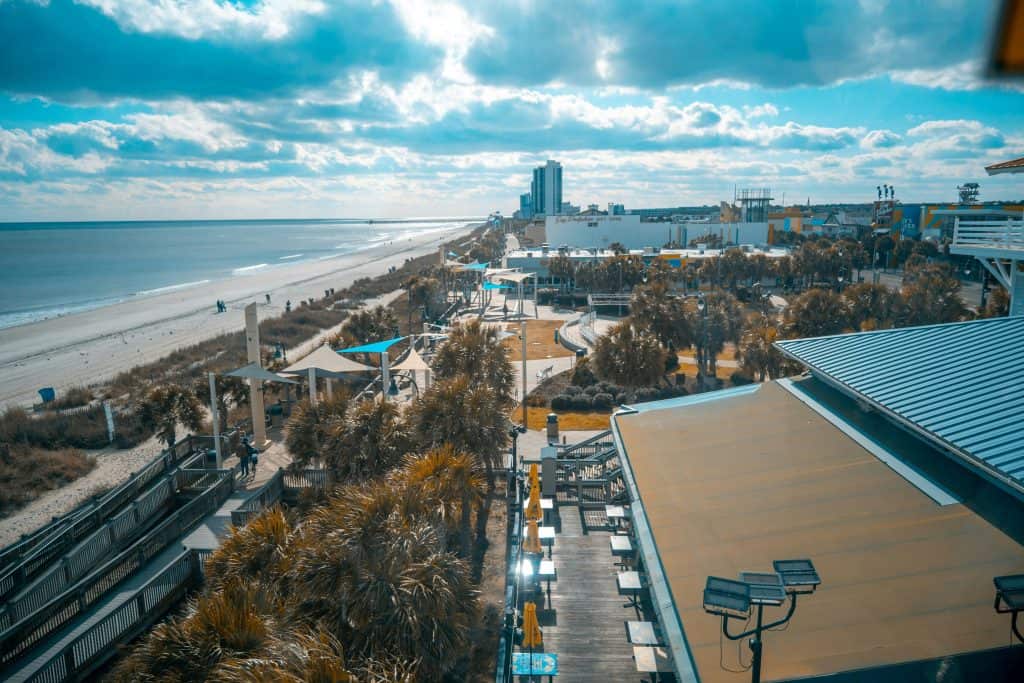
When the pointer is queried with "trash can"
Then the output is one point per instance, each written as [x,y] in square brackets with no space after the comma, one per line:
[276,415]
[552,427]
[580,353]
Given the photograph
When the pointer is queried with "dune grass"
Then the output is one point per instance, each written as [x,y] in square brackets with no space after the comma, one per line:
[26,473]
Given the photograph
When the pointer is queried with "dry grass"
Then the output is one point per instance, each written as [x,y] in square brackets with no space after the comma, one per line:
[26,473]
[571,420]
[540,341]
[690,369]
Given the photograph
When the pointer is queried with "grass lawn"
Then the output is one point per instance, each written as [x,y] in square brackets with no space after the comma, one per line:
[571,420]
[540,341]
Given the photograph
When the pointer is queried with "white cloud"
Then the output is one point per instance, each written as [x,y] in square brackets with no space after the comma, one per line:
[194,19]
[880,139]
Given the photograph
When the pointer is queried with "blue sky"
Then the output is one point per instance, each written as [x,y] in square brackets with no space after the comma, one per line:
[122,109]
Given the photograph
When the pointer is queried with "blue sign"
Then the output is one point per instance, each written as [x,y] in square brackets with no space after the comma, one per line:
[543,664]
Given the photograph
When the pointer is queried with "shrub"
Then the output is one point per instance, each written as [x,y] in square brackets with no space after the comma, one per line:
[26,472]
[72,398]
[739,379]
[582,375]
[573,391]
[582,402]
[561,402]
[536,401]
[591,391]
[671,362]
[604,401]
[645,394]
[623,397]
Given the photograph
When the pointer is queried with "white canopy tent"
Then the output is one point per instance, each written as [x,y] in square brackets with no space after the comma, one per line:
[519,278]
[414,362]
[327,363]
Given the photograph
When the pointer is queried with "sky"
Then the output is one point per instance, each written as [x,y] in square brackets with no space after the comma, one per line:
[166,109]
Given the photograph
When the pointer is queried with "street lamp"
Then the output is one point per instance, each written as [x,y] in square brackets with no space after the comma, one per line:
[1010,599]
[702,308]
[734,599]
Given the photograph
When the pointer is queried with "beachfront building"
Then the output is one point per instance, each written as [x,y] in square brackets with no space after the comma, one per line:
[546,189]
[594,230]
[536,260]
[896,466]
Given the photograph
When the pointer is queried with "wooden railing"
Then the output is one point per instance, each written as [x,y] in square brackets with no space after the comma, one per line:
[263,498]
[75,600]
[91,649]
[40,554]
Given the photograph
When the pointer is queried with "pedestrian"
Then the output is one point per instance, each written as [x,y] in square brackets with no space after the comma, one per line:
[254,457]
[288,306]
[243,455]
[268,298]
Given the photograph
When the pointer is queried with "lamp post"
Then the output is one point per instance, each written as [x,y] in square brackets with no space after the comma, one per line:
[702,308]
[734,599]
[522,335]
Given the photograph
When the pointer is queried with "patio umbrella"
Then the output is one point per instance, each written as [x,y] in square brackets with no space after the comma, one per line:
[533,510]
[534,477]
[532,636]
[532,544]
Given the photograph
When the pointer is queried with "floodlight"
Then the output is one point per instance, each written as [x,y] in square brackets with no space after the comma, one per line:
[1010,599]
[1009,593]
[798,576]
[727,597]
[765,587]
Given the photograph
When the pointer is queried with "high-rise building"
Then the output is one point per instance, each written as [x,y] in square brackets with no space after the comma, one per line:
[546,189]
[525,205]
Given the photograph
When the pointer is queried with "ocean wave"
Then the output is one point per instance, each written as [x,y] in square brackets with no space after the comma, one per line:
[285,258]
[170,288]
[246,269]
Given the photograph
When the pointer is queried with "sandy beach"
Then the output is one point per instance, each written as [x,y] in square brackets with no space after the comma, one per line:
[92,346]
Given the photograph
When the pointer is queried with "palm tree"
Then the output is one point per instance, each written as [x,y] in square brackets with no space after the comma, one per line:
[931,295]
[254,553]
[368,441]
[167,406]
[872,306]
[452,480]
[817,312]
[629,356]
[468,415]
[653,308]
[231,391]
[306,429]
[475,351]
[757,353]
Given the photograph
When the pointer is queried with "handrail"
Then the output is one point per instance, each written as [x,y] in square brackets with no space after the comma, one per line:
[40,556]
[74,600]
[91,649]
[513,551]
[588,446]
[994,234]
[262,498]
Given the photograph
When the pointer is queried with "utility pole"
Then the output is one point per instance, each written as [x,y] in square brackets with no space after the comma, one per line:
[214,413]
[252,347]
[522,335]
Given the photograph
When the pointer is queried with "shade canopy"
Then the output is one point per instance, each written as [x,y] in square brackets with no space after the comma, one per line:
[494,285]
[472,266]
[375,347]
[413,361]
[514,277]
[254,371]
[326,360]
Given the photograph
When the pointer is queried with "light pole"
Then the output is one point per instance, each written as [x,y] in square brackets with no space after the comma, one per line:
[733,599]
[702,308]
[522,335]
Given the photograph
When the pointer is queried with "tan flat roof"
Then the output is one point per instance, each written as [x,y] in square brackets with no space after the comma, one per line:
[731,485]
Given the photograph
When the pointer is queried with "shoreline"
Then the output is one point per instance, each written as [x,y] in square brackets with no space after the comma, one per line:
[94,345]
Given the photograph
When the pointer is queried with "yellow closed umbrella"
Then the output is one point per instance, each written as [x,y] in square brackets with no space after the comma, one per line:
[534,475]
[533,509]
[532,636]
[532,544]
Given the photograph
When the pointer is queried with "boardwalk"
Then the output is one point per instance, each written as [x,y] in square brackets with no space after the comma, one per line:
[585,621]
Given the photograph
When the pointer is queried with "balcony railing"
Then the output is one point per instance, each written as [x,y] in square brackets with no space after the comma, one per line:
[995,235]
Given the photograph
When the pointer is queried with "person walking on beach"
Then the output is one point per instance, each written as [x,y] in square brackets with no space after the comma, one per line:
[268,298]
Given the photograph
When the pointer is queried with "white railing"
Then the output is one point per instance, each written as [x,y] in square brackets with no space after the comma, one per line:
[988,234]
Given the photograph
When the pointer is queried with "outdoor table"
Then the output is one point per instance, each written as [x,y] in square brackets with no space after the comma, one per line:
[652,660]
[535,664]
[547,572]
[622,547]
[641,633]
[629,585]
[546,535]
[615,514]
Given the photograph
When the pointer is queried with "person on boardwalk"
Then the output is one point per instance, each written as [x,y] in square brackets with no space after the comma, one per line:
[243,455]
[254,455]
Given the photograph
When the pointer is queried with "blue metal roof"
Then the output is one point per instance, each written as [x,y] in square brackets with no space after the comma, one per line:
[958,385]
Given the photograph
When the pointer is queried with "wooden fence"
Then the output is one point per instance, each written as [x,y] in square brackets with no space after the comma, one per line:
[42,620]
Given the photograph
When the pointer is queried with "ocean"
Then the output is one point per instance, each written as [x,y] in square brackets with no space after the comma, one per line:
[53,269]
